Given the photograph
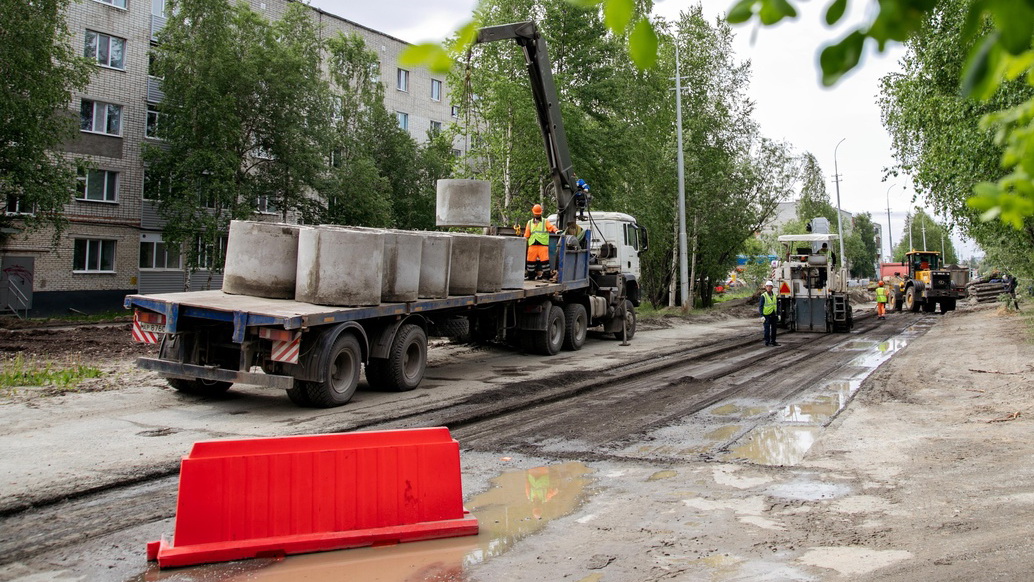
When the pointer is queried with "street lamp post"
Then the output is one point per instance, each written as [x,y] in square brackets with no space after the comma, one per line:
[687,300]
[890,237]
[840,221]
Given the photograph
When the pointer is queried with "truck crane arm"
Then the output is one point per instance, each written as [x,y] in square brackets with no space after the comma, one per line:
[547,107]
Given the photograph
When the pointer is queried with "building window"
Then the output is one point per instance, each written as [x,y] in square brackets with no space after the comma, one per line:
[403,120]
[93,255]
[151,129]
[436,90]
[16,206]
[403,80]
[108,51]
[436,127]
[155,188]
[337,107]
[99,117]
[208,254]
[98,185]
[115,3]
[265,204]
[455,110]
[375,72]
[155,255]
[456,153]
[157,8]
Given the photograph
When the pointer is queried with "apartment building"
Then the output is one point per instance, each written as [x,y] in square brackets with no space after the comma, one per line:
[113,243]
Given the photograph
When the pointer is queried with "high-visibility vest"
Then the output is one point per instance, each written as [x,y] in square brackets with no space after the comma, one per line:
[770,303]
[539,234]
[881,295]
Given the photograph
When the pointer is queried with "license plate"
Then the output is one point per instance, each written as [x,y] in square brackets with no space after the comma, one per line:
[152,327]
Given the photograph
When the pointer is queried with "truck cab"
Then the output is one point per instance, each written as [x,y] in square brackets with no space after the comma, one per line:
[626,239]
[616,242]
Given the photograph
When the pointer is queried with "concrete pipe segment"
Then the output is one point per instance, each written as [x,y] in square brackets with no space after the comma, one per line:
[403,251]
[463,203]
[515,253]
[490,264]
[261,259]
[339,266]
[435,268]
[464,256]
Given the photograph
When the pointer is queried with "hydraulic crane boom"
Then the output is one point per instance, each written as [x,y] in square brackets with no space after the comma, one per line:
[547,108]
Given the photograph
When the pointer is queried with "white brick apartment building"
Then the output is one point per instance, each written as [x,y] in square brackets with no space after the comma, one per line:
[113,243]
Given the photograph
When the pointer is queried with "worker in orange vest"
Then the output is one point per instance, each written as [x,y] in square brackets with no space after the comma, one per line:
[537,232]
[881,301]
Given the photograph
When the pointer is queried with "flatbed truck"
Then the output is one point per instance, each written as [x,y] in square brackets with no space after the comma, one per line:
[209,340]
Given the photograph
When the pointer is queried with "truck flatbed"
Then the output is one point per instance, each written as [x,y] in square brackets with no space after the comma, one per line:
[246,310]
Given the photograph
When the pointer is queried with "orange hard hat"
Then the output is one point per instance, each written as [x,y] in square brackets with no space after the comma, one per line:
[537,210]
[880,283]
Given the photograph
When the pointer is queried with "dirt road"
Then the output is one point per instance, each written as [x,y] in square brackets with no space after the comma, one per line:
[712,458]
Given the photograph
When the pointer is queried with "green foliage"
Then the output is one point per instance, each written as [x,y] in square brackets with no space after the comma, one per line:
[39,71]
[995,36]
[251,122]
[19,372]
[814,200]
[921,226]
[860,247]
[939,140]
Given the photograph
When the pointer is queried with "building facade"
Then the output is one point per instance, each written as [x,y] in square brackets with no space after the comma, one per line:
[113,243]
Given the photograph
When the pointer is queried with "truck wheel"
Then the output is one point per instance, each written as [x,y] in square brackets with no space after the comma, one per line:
[404,367]
[200,387]
[929,306]
[299,396]
[577,326]
[910,300]
[897,301]
[947,305]
[548,341]
[342,374]
[375,372]
[630,320]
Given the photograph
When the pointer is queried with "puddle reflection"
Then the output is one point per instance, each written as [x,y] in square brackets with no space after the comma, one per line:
[776,445]
[519,504]
[823,407]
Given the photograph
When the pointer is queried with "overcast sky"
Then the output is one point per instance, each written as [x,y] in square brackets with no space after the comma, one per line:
[791,104]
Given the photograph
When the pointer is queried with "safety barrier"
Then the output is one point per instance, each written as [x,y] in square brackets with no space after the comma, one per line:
[267,497]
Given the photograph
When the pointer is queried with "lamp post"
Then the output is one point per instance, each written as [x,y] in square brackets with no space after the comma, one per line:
[890,238]
[924,232]
[840,221]
[687,301]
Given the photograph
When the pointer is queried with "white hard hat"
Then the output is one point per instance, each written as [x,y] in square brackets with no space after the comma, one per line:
[768,284]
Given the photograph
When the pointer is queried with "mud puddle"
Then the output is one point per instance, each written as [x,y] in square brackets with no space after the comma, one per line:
[774,432]
[519,504]
[794,427]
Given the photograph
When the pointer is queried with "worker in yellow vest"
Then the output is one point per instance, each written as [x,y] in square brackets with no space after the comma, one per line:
[881,301]
[767,309]
[537,232]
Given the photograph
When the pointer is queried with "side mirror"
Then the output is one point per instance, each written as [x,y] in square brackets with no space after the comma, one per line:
[644,239]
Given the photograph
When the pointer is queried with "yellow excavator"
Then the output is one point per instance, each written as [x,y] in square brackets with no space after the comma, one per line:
[928,284]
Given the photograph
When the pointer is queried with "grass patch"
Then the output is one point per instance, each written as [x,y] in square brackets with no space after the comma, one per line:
[19,372]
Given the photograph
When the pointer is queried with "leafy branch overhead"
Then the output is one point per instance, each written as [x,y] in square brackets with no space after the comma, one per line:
[1002,54]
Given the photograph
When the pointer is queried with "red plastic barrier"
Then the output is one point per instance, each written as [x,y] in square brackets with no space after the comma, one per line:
[289,495]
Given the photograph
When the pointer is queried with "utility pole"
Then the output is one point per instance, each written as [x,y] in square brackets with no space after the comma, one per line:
[924,231]
[890,238]
[687,299]
[840,222]
[910,245]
